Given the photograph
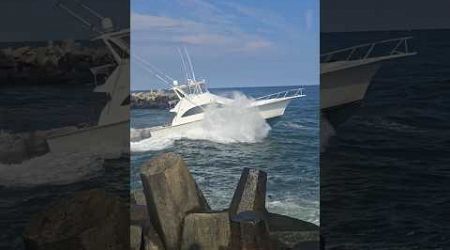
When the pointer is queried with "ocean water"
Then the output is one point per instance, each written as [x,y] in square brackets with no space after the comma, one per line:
[286,150]
[29,187]
[385,177]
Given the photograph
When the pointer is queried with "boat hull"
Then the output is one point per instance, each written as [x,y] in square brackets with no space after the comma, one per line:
[97,139]
[270,110]
[347,85]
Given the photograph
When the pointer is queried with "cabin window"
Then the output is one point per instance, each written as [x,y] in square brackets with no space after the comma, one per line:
[198,109]
[180,94]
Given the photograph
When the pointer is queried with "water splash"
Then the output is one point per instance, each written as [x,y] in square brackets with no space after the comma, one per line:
[51,169]
[327,131]
[19,168]
[237,122]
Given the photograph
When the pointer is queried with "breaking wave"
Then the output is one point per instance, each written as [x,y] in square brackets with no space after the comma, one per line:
[19,169]
[51,169]
[237,122]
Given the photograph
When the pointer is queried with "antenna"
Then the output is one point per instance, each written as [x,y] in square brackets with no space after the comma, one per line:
[190,63]
[93,12]
[78,17]
[106,23]
[155,71]
[183,64]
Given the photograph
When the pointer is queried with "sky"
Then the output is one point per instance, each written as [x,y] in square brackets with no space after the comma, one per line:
[231,43]
[41,20]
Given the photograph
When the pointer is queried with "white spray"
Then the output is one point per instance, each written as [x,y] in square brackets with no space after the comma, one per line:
[236,122]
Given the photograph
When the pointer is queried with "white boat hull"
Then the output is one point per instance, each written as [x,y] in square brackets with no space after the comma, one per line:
[268,109]
[345,85]
[106,138]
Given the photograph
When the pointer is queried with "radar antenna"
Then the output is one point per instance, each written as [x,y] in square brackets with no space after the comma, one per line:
[190,63]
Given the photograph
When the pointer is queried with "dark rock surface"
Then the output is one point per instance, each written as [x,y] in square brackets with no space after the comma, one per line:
[171,193]
[88,220]
[250,194]
[246,225]
[206,231]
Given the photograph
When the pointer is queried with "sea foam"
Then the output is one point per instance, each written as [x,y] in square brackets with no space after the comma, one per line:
[237,122]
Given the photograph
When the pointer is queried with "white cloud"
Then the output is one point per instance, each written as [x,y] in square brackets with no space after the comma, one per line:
[152,22]
[169,30]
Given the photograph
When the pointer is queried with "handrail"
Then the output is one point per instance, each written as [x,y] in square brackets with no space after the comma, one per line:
[283,94]
[400,46]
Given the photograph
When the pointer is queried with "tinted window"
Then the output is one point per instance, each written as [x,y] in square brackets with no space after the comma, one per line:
[198,109]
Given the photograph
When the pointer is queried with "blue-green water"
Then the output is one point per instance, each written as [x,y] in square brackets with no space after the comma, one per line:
[289,154]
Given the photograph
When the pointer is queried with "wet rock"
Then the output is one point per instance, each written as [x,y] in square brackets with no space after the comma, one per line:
[138,197]
[135,237]
[206,231]
[292,233]
[138,214]
[171,193]
[88,220]
[249,231]
[16,148]
[13,149]
[250,194]
[151,239]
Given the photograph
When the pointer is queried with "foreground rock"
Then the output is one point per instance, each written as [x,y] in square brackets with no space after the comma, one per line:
[291,233]
[250,194]
[88,220]
[16,148]
[206,231]
[250,231]
[182,219]
[171,193]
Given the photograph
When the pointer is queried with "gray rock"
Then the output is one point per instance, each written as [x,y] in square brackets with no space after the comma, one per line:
[171,193]
[250,194]
[138,197]
[135,237]
[291,233]
[88,220]
[151,239]
[206,231]
[249,231]
[138,214]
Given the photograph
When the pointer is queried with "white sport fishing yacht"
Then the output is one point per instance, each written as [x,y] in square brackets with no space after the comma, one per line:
[345,74]
[111,131]
[195,99]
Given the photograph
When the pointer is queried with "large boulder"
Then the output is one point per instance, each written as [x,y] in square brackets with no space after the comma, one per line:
[250,194]
[291,233]
[206,231]
[87,220]
[171,193]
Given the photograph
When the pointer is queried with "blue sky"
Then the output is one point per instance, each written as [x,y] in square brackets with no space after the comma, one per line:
[231,43]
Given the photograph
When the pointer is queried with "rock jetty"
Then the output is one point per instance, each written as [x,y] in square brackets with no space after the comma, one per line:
[171,213]
[56,62]
[153,99]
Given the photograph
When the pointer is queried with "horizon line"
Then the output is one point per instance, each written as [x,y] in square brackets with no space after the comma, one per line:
[268,86]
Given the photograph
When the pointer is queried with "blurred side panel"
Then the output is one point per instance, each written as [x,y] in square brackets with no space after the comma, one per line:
[64,124]
[385,87]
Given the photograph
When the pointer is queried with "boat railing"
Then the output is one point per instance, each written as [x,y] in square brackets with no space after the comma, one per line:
[283,94]
[396,46]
